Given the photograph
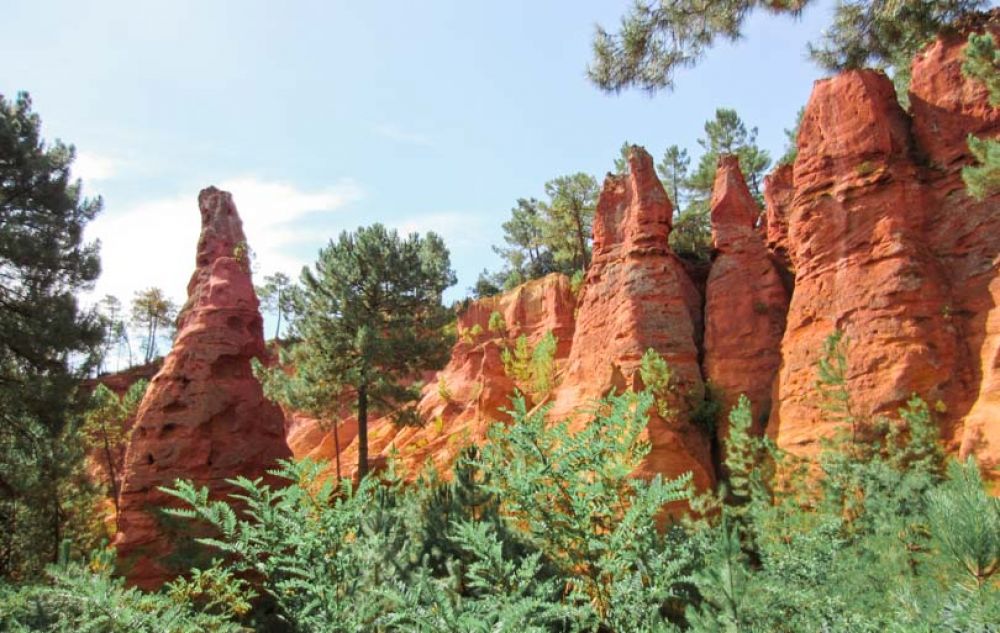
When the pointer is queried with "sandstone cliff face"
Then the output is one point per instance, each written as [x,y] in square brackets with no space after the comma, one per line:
[888,248]
[862,266]
[637,296]
[964,235]
[870,232]
[745,302]
[459,403]
[779,190]
[204,416]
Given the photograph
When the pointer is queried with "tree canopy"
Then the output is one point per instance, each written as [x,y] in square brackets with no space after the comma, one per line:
[47,342]
[371,321]
[656,38]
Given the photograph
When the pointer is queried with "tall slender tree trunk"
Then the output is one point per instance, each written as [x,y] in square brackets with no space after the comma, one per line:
[336,447]
[362,431]
[112,474]
[581,240]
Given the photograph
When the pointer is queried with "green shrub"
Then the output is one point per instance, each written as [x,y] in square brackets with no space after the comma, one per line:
[657,376]
[496,324]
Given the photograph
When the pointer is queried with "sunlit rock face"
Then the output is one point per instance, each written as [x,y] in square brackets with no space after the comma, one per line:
[745,302]
[637,296]
[204,416]
[888,247]
[459,403]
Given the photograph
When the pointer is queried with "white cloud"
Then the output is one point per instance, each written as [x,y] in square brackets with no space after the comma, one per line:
[153,243]
[92,167]
[459,230]
[395,133]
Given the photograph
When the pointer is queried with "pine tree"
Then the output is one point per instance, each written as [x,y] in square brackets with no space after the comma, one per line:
[659,37]
[371,321]
[152,312]
[277,295]
[568,216]
[47,343]
[105,430]
[673,171]
[982,64]
[726,133]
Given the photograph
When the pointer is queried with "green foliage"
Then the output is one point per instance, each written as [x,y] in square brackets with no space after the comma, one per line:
[442,389]
[576,282]
[691,236]
[545,237]
[87,598]
[573,497]
[673,171]
[883,33]
[496,323]
[152,312]
[657,377]
[105,430]
[982,64]
[115,331]
[792,140]
[371,319]
[728,134]
[47,343]
[278,295]
[659,37]
[544,528]
[965,522]
[743,453]
[831,381]
[531,367]
[983,179]
[543,365]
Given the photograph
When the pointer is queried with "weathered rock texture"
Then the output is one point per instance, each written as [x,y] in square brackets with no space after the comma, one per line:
[745,301]
[637,296]
[204,417]
[888,247]
[779,190]
[459,403]
[870,232]
[964,235]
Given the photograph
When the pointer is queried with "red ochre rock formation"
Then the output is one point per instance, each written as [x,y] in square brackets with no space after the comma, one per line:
[745,301]
[459,403]
[888,247]
[779,189]
[872,221]
[204,416]
[637,296]
[964,235]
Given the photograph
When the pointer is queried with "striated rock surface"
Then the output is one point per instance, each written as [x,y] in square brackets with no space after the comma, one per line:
[459,403]
[859,244]
[779,190]
[745,301]
[204,416]
[964,234]
[637,296]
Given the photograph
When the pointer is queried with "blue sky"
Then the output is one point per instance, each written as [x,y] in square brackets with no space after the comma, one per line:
[323,116]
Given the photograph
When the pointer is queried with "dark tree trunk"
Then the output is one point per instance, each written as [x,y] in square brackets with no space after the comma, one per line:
[581,240]
[336,448]
[112,472]
[362,431]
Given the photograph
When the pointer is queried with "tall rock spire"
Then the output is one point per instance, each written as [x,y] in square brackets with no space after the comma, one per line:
[637,296]
[745,301]
[204,416]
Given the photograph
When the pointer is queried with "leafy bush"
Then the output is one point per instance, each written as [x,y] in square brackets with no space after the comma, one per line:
[496,323]
[532,368]
[657,377]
